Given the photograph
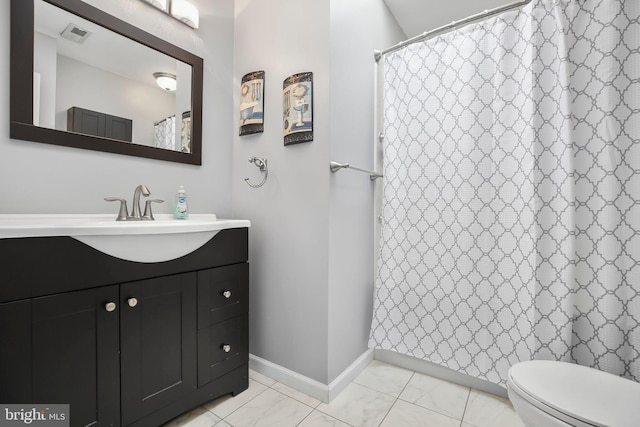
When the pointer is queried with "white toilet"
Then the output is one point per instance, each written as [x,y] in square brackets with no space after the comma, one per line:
[553,394]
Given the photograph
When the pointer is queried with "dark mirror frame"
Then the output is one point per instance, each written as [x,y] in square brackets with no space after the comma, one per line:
[21,96]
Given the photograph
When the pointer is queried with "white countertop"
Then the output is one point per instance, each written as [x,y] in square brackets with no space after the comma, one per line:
[47,225]
[160,240]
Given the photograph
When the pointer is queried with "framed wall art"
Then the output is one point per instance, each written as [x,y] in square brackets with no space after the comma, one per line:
[297,108]
[252,103]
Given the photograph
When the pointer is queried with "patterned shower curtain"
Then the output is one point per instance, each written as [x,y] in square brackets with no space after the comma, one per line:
[511,199]
[164,133]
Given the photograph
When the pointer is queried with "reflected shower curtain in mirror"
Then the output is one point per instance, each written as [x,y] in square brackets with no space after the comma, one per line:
[165,133]
[511,197]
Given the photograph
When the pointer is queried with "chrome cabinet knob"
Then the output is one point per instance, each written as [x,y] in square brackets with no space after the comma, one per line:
[110,306]
[226,294]
[132,302]
[226,348]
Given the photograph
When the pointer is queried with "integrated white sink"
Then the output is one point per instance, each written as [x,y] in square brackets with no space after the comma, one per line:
[164,239]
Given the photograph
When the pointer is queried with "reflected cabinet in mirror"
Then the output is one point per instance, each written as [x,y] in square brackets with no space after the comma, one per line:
[83,78]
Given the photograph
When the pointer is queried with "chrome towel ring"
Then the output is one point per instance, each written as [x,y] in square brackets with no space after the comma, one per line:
[262,165]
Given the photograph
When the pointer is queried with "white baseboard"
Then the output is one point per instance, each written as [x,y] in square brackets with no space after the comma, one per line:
[309,386]
[350,374]
[434,370]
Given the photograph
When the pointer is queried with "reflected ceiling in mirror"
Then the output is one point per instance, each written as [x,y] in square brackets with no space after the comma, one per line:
[95,88]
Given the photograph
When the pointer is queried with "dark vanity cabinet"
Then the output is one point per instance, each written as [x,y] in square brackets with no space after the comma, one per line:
[88,122]
[123,343]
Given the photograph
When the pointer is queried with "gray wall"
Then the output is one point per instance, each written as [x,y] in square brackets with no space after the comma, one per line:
[41,178]
[289,214]
[358,27]
[312,232]
[142,103]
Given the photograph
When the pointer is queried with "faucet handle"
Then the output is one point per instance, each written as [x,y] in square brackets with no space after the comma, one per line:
[123,213]
[148,215]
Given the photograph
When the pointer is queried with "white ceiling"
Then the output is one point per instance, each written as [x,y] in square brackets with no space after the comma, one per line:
[103,49]
[417,16]
[413,16]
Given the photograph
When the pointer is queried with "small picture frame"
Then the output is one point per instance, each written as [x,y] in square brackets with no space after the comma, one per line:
[297,108]
[252,103]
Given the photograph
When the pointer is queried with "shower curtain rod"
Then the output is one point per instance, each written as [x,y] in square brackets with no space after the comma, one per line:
[427,34]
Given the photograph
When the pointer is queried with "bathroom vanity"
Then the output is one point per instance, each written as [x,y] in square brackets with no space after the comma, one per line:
[125,343]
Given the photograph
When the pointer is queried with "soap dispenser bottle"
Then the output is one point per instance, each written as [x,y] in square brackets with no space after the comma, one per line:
[181,211]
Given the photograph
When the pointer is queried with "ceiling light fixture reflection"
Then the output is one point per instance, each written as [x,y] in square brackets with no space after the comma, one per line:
[166,81]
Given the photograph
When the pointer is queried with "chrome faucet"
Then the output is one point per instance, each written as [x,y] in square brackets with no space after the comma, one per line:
[123,214]
[135,213]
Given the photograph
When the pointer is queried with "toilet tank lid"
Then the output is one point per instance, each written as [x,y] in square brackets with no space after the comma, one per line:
[584,393]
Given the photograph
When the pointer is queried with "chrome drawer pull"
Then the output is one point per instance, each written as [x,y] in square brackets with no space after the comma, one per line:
[226,348]
[132,302]
[227,294]
[110,306]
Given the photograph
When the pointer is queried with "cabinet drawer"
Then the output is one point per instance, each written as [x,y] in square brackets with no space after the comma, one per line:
[223,293]
[222,348]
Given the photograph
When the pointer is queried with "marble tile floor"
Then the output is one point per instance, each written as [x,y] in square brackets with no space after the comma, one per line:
[382,395]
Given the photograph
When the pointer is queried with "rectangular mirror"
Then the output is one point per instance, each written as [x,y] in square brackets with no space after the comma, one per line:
[93,84]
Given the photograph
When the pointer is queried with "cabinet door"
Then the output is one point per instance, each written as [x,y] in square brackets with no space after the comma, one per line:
[157,329]
[118,128]
[72,354]
[15,352]
[86,121]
